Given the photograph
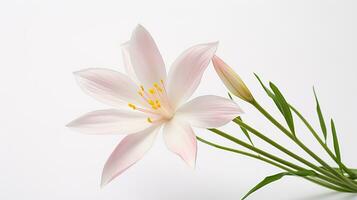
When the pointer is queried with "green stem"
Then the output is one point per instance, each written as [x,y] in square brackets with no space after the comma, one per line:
[307,150]
[314,133]
[283,149]
[277,159]
[319,182]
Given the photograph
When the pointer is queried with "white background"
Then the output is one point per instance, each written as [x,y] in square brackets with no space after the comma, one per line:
[296,44]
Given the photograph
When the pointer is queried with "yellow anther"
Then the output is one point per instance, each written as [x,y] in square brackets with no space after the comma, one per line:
[151,102]
[151,91]
[142,88]
[140,93]
[162,81]
[154,107]
[132,106]
[149,120]
[158,88]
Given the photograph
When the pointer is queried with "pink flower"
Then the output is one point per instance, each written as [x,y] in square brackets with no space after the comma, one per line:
[154,99]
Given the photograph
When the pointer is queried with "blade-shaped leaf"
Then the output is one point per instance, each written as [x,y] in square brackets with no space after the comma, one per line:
[321,117]
[275,177]
[264,182]
[246,133]
[336,146]
[283,106]
[270,94]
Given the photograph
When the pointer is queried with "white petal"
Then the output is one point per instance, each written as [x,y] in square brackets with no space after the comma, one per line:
[127,61]
[108,86]
[209,111]
[180,139]
[186,72]
[145,57]
[110,121]
[131,149]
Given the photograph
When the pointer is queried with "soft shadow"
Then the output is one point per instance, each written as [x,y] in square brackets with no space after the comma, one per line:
[330,196]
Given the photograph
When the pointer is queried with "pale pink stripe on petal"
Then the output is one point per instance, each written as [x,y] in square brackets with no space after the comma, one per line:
[186,72]
[110,121]
[145,57]
[131,149]
[108,86]
[209,111]
[180,139]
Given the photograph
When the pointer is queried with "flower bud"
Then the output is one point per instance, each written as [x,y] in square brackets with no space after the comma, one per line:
[231,80]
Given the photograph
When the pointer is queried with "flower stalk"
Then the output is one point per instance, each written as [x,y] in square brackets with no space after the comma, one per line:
[340,178]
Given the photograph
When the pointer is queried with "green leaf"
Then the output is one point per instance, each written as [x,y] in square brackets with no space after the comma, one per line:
[280,102]
[269,179]
[336,146]
[246,133]
[270,94]
[283,106]
[264,182]
[354,170]
[321,117]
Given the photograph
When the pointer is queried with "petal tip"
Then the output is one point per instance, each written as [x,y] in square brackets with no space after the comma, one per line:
[71,124]
[139,28]
[213,45]
[105,178]
[191,165]
[80,73]
[125,44]
[77,73]
[103,183]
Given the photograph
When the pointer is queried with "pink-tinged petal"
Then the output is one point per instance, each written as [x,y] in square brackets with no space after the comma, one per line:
[180,139]
[110,121]
[209,111]
[108,86]
[186,72]
[145,57]
[127,61]
[131,149]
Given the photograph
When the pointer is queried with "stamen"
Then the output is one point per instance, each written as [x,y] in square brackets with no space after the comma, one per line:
[158,88]
[149,120]
[132,106]
[157,101]
[151,102]
[158,104]
[151,91]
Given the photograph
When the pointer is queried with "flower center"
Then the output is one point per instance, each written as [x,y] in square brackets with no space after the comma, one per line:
[156,105]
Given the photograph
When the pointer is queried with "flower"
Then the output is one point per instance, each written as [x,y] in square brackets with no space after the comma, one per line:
[232,80]
[149,100]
